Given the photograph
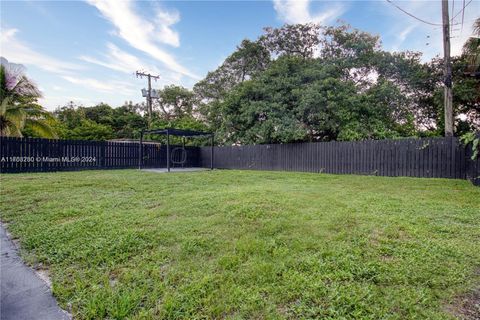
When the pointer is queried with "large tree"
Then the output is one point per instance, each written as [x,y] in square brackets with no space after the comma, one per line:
[337,84]
[308,100]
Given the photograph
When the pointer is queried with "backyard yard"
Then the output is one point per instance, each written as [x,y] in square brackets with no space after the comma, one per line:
[249,244]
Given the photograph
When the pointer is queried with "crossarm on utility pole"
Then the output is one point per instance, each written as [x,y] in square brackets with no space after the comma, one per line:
[149,93]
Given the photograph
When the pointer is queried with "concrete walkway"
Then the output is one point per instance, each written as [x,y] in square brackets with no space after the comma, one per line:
[24,295]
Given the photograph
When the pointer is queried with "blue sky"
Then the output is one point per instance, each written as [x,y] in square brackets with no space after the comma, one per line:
[88,51]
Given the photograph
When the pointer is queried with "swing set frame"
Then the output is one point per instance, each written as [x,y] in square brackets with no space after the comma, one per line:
[174,132]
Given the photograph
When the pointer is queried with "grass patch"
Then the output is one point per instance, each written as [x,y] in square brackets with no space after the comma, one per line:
[243,244]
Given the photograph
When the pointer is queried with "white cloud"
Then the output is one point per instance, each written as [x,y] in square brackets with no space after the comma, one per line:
[119,60]
[165,20]
[19,52]
[298,11]
[405,32]
[143,34]
[402,36]
[117,87]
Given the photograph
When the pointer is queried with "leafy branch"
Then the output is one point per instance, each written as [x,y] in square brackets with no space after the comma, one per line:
[474,139]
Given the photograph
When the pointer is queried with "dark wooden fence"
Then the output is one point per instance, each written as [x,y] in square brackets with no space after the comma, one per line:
[37,155]
[429,157]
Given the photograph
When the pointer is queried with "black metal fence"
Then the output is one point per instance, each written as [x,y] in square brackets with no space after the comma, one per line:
[429,157]
[37,155]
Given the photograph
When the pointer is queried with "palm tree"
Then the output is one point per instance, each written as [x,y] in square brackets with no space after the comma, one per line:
[471,48]
[18,105]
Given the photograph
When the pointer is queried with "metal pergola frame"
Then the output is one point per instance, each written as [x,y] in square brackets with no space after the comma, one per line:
[174,132]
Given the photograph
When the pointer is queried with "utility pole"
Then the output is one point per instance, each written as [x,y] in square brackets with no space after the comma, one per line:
[149,92]
[447,100]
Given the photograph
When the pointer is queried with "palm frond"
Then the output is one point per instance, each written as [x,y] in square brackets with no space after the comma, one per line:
[471,51]
[15,115]
[41,127]
[476,27]
[19,107]
[3,106]
[3,82]
[37,111]
[5,131]
[25,87]
[13,130]
[12,118]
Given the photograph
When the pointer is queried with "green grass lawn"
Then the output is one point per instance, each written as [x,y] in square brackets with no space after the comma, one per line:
[245,244]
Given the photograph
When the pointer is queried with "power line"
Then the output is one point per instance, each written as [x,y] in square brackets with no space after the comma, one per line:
[453,10]
[462,11]
[411,15]
[420,19]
